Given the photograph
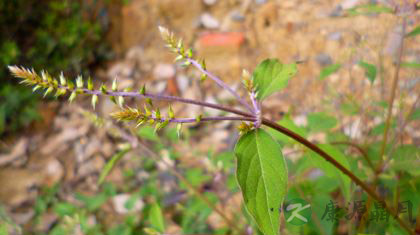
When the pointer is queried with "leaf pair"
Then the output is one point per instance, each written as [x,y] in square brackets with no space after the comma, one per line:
[261,168]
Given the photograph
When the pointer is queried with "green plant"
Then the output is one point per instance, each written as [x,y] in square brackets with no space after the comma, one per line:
[51,35]
[261,169]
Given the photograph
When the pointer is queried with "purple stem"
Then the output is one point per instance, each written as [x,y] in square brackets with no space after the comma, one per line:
[162,97]
[257,109]
[192,120]
[220,83]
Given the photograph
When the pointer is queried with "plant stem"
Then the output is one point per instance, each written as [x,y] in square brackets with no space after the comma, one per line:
[360,149]
[165,98]
[220,83]
[392,97]
[192,120]
[336,164]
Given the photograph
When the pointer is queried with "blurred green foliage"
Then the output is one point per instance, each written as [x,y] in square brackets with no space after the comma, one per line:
[54,35]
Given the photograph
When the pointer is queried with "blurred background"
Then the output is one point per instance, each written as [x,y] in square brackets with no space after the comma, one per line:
[53,153]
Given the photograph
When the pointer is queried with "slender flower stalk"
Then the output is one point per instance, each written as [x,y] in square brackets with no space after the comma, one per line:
[30,77]
[177,47]
[220,83]
[257,109]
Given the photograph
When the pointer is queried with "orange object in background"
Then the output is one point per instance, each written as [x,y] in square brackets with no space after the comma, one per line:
[229,39]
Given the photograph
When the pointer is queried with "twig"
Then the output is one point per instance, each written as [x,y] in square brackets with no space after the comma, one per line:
[392,97]
[360,149]
[219,82]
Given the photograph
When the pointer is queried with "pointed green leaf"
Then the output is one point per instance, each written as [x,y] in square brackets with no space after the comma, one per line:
[72,96]
[262,176]
[114,85]
[90,84]
[113,99]
[327,71]
[120,101]
[111,163]
[156,218]
[171,112]
[198,118]
[411,65]
[103,89]
[178,129]
[366,9]
[63,80]
[142,91]
[414,32]
[271,76]
[49,90]
[370,71]
[79,82]
[94,101]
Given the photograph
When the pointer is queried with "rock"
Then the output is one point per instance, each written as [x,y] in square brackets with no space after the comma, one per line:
[54,172]
[334,36]
[338,11]
[17,185]
[120,202]
[58,142]
[121,69]
[260,2]
[183,82]
[209,2]
[237,16]
[46,221]
[91,166]
[347,4]
[18,150]
[164,71]
[135,53]
[323,59]
[208,21]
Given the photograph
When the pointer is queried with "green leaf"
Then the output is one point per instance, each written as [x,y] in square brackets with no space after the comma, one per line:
[415,115]
[65,208]
[329,169]
[411,65]
[92,203]
[148,133]
[407,158]
[262,176]
[414,32]
[327,71]
[370,70]
[271,76]
[369,9]
[156,218]
[321,122]
[111,163]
